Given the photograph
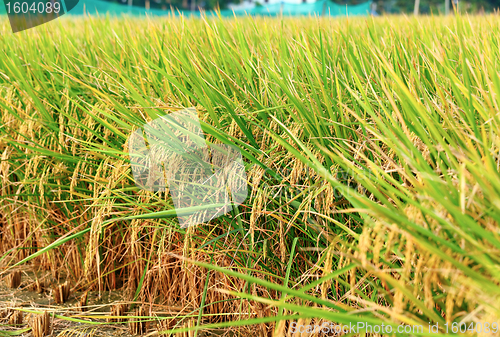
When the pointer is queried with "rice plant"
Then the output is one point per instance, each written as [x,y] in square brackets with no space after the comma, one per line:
[371,147]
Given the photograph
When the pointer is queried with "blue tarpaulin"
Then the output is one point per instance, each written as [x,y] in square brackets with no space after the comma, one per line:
[322,7]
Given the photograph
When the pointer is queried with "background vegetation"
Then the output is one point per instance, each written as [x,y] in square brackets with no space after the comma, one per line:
[437,6]
[383,6]
[371,145]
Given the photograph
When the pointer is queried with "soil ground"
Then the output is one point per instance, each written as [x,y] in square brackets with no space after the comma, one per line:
[27,300]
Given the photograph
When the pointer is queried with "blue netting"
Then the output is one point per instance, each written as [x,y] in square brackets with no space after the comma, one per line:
[324,7]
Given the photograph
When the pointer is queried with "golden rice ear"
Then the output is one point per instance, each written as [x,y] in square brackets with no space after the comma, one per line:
[62,292]
[41,325]
[14,279]
[137,325]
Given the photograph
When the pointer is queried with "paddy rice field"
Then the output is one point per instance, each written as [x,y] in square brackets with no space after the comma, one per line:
[372,152]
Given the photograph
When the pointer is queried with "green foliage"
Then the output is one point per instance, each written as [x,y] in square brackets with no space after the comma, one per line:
[371,146]
[437,6]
